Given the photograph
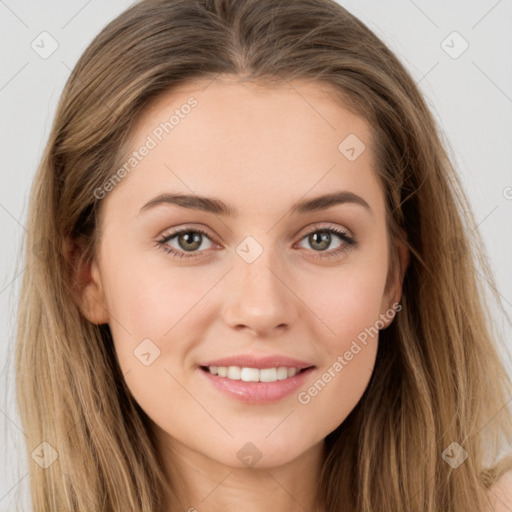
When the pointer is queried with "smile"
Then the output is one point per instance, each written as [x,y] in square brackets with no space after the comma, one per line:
[253,374]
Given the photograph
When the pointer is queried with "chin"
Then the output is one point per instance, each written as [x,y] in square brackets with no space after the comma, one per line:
[261,453]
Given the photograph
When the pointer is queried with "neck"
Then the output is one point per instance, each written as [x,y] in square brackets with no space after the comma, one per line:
[202,484]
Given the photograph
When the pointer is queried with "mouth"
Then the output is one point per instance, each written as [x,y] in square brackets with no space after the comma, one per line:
[250,374]
[256,386]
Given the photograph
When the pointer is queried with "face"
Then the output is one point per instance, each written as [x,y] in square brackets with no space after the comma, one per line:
[214,309]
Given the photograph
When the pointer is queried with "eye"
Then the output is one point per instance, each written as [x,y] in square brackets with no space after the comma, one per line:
[322,237]
[189,240]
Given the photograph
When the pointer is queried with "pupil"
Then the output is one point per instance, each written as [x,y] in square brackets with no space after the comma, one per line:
[323,239]
[190,239]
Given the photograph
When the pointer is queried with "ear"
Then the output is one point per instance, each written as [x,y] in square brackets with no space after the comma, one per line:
[394,283]
[86,282]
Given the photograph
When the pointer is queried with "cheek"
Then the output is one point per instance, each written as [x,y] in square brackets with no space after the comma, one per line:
[347,301]
[150,302]
[153,315]
[331,394]
[351,313]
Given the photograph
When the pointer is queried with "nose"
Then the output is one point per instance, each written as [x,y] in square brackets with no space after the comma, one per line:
[258,297]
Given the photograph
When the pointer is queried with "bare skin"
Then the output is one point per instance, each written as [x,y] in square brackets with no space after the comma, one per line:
[260,150]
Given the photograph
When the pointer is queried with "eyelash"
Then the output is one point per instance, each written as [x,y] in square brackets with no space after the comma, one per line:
[348,240]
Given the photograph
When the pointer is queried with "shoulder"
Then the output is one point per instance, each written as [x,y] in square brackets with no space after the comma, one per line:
[500,494]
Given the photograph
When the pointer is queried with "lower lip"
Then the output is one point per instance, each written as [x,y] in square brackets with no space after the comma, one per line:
[258,392]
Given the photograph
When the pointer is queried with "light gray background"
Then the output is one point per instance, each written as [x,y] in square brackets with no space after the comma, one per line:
[471,96]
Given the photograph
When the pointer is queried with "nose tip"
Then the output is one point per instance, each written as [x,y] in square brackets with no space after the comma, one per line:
[256,297]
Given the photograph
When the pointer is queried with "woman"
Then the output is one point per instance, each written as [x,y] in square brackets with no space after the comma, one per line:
[254,284]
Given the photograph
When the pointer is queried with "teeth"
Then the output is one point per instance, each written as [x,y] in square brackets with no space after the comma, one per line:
[253,374]
[249,375]
[267,374]
[234,372]
[282,373]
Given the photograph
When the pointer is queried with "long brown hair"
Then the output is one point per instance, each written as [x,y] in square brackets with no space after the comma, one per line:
[438,377]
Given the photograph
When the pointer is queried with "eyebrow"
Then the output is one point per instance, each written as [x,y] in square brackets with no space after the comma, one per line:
[218,207]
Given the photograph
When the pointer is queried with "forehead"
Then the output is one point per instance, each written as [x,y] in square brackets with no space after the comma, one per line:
[254,143]
[282,114]
[232,104]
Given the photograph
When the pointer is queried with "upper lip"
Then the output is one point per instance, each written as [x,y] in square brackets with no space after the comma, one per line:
[248,361]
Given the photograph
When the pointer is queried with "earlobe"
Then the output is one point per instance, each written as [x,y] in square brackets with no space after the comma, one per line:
[86,283]
[93,303]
